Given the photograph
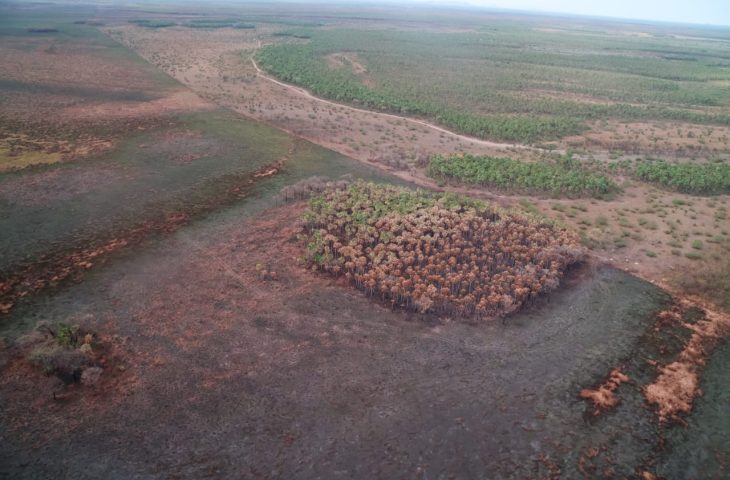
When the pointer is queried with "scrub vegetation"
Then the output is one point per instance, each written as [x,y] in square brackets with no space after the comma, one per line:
[699,179]
[565,177]
[512,83]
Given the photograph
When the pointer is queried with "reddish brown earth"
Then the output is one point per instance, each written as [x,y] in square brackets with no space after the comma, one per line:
[296,370]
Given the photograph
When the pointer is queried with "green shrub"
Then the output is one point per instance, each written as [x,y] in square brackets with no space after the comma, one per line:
[694,178]
[509,174]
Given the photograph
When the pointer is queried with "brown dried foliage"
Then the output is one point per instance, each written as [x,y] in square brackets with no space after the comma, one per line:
[438,253]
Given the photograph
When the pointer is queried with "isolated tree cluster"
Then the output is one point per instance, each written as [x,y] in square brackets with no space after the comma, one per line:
[435,252]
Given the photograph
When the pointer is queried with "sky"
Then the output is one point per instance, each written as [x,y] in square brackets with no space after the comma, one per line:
[715,12]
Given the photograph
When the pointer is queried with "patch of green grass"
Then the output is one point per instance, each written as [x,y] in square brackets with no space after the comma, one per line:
[673,242]
[693,255]
[648,224]
[624,222]
[25,159]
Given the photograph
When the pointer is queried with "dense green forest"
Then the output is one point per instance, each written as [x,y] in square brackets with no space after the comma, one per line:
[511,82]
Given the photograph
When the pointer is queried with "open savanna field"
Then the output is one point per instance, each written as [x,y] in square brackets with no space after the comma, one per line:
[283,240]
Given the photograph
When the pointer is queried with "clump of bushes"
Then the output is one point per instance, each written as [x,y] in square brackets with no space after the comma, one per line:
[68,352]
[436,253]
[693,178]
[564,177]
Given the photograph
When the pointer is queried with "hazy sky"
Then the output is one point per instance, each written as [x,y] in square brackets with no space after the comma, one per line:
[687,11]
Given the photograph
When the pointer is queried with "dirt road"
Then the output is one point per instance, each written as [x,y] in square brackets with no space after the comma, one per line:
[307,94]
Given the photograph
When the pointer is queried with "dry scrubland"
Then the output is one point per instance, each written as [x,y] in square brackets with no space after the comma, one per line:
[657,231]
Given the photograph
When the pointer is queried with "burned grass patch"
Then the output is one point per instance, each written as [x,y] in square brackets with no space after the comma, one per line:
[57,268]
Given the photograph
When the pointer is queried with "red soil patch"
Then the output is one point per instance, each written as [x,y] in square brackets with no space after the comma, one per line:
[604,397]
[676,387]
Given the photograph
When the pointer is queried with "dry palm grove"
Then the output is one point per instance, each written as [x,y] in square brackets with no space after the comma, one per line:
[447,255]
[368,240]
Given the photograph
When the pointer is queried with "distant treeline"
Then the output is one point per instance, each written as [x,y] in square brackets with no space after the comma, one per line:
[205,23]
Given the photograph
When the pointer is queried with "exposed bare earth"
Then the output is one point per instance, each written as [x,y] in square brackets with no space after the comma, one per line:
[678,383]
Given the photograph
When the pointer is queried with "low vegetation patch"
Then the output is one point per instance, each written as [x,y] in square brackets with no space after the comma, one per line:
[153,23]
[515,84]
[693,178]
[208,23]
[556,178]
[42,30]
[69,352]
[435,252]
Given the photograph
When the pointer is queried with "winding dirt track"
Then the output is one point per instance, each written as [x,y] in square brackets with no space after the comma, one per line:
[307,94]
